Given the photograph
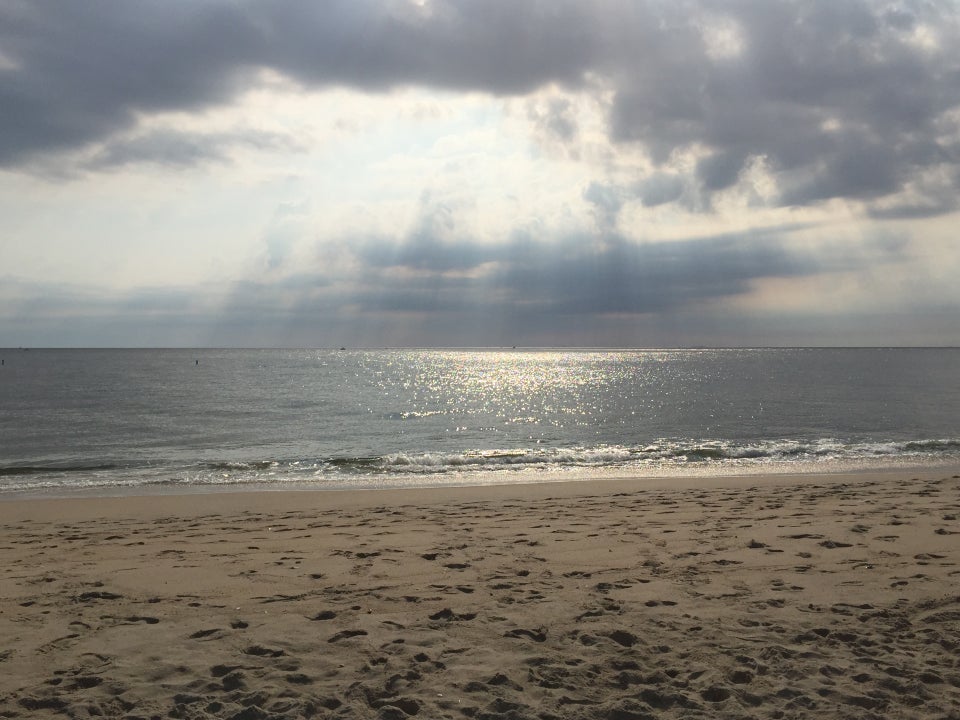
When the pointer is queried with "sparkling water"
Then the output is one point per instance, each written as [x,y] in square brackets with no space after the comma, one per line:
[131,420]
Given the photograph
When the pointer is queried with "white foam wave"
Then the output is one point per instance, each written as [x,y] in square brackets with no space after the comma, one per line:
[663,455]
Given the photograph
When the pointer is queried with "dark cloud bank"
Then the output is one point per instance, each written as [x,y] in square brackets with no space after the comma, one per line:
[839,98]
[428,291]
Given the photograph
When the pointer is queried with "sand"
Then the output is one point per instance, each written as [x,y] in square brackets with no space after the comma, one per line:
[755,597]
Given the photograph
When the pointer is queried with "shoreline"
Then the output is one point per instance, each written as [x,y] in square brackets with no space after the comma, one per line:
[210,498]
[498,483]
[748,596]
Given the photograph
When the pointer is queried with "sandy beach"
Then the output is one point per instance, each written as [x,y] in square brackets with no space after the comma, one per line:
[790,597]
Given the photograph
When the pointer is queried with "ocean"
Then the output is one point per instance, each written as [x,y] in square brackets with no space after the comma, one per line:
[177,420]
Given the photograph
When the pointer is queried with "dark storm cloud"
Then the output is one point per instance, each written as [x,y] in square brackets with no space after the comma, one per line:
[575,275]
[720,170]
[73,73]
[581,275]
[422,291]
[80,72]
[838,98]
[500,46]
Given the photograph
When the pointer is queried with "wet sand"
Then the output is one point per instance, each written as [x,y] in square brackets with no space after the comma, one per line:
[785,597]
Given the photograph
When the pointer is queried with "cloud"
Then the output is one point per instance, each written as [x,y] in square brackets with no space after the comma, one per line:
[720,170]
[181,149]
[42,300]
[607,202]
[582,275]
[838,99]
[436,287]
[78,74]
[555,119]
[83,72]
[499,46]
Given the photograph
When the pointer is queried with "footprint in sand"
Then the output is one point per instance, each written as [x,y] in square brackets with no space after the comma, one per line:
[448,614]
[346,634]
[199,634]
[538,635]
[261,651]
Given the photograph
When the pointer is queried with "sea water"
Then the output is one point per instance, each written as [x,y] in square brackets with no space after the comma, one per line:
[136,420]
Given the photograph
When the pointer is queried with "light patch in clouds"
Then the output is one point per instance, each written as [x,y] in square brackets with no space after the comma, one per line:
[722,37]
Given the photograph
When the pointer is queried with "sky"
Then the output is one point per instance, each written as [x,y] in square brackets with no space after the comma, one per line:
[450,173]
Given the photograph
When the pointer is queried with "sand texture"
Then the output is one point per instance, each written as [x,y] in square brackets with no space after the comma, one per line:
[826,597]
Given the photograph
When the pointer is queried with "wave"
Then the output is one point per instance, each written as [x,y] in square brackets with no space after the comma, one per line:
[667,455]
[672,452]
[233,466]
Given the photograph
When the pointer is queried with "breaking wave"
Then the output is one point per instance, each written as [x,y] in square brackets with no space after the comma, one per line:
[661,453]
[665,456]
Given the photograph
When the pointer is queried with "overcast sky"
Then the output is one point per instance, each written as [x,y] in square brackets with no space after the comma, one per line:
[479,172]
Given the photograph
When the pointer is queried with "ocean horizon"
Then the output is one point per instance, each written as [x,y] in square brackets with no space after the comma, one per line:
[116,421]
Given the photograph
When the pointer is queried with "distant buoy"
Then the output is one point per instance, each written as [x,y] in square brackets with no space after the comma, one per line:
[196,362]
